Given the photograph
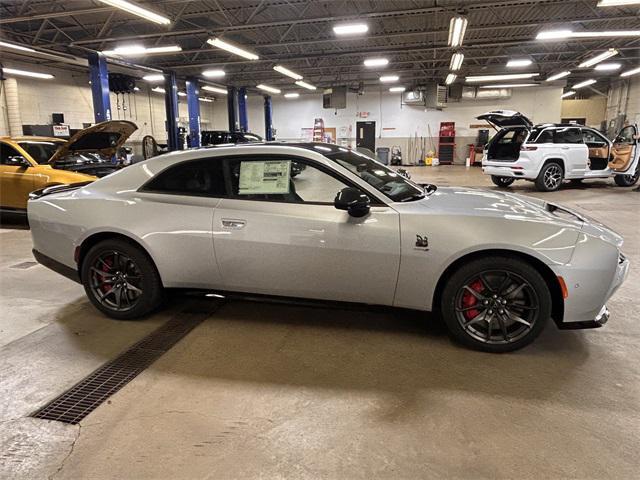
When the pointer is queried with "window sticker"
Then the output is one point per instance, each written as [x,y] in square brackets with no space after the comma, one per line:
[264,177]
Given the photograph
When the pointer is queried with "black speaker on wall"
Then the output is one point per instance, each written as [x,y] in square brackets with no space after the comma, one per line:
[57,118]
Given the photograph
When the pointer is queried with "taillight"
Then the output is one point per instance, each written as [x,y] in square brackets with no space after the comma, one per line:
[527,148]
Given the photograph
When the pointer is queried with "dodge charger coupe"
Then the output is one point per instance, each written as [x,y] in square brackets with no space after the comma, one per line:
[233,219]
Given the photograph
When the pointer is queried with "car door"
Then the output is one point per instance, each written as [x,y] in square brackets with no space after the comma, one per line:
[625,151]
[280,235]
[570,146]
[16,178]
[599,149]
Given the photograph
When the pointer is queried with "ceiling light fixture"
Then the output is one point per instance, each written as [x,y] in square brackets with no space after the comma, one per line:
[586,83]
[628,73]
[267,88]
[510,85]
[350,29]
[210,88]
[287,72]
[139,11]
[376,62]
[617,3]
[565,34]
[306,85]
[450,79]
[519,63]
[224,45]
[205,99]
[156,77]
[16,47]
[491,78]
[397,89]
[158,90]
[456,61]
[457,29]
[570,93]
[608,66]
[291,95]
[25,73]
[138,50]
[182,94]
[558,76]
[389,78]
[213,73]
[612,52]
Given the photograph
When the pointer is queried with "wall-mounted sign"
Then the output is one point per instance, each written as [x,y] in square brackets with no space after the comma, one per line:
[362,114]
[61,130]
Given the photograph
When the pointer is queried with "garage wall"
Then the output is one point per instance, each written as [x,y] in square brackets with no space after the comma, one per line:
[593,109]
[624,99]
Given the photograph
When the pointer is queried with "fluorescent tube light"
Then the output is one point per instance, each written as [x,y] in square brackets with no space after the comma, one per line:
[158,90]
[397,89]
[510,85]
[306,85]
[617,3]
[376,62]
[16,47]
[457,29]
[558,76]
[608,66]
[350,29]
[25,73]
[586,83]
[205,99]
[450,79]
[456,61]
[139,11]
[291,95]
[565,34]
[182,94]
[599,58]
[491,78]
[167,49]
[267,88]
[287,72]
[214,73]
[210,88]
[519,63]
[570,93]
[156,77]
[224,45]
[389,78]
[628,73]
[139,50]
[553,34]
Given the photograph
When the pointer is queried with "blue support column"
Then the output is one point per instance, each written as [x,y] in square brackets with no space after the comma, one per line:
[232,109]
[99,87]
[193,105]
[171,108]
[268,119]
[242,109]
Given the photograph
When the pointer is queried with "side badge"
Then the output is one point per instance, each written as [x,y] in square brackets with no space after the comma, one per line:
[422,243]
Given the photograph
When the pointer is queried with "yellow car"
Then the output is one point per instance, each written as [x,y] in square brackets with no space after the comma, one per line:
[31,163]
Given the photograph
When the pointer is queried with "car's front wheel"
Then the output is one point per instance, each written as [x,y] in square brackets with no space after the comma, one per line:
[502,182]
[121,280]
[627,180]
[496,304]
[550,177]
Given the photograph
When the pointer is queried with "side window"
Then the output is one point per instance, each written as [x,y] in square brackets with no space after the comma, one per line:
[198,177]
[7,152]
[626,135]
[546,136]
[282,180]
[567,135]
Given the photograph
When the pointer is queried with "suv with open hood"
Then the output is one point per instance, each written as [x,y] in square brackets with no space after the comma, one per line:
[550,153]
[30,163]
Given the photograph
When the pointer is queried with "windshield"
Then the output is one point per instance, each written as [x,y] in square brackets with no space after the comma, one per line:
[383,179]
[40,151]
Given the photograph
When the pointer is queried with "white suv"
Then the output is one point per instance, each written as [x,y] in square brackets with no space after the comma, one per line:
[550,153]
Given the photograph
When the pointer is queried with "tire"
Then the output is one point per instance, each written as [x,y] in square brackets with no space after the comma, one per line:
[502,182]
[137,289]
[520,293]
[627,180]
[550,177]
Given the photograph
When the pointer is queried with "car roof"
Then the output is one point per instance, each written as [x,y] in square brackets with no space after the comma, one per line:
[320,147]
[561,125]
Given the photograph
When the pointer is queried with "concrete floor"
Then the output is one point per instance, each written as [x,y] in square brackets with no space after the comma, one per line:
[276,391]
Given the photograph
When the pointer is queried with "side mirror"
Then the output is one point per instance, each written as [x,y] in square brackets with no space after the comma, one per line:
[18,161]
[356,203]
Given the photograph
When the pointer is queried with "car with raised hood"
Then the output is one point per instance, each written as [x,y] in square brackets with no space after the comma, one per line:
[29,163]
[549,153]
[233,220]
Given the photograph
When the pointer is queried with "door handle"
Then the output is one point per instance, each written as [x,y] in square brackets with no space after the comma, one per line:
[233,223]
[565,148]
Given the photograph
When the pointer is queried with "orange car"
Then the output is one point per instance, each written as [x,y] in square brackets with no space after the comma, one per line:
[31,163]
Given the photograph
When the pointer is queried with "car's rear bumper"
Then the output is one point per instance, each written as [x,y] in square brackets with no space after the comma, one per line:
[521,168]
[56,266]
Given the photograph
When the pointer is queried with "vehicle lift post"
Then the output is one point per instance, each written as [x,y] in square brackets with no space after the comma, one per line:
[268,119]
[171,108]
[232,109]
[99,76]
[193,106]
[242,109]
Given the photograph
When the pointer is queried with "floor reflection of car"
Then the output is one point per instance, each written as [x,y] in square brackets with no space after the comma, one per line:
[347,228]
[548,154]
[29,163]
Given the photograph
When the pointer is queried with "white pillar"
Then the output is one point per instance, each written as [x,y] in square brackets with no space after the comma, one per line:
[13,106]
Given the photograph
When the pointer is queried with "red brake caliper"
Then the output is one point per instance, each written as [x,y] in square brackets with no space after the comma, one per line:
[105,268]
[468,300]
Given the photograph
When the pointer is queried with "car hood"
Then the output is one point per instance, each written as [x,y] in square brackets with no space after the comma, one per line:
[476,202]
[104,138]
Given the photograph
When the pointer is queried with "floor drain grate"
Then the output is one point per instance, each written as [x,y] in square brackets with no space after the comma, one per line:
[24,265]
[80,400]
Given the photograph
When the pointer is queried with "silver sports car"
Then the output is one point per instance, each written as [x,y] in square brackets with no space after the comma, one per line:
[495,266]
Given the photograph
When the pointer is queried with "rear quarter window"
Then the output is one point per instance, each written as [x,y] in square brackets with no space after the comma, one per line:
[567,135]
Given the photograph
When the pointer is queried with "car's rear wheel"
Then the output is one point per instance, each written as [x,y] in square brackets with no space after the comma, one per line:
[121,280]
[550,177]
[496,304]
[502,182]
[627,180]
